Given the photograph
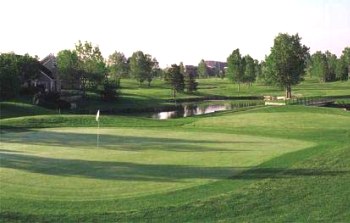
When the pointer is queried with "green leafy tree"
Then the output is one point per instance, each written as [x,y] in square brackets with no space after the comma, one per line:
[258,69]
[319,66]
[332,66]
[29,68]
[118,66]
[152,68]
[15,71]
[91,64]
[343,63]
[137,64]
[249,70]
[9,76]
[175,79]
[287,62]
[68,68]
[203,69]
[235,68]
[143,67]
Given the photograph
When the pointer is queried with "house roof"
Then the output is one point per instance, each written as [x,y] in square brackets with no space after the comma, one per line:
[46,71]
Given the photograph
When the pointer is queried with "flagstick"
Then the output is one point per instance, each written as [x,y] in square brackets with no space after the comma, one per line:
[98,127]
[98,133]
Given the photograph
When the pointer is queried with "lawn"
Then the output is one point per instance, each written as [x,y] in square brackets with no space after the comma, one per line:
[288,163]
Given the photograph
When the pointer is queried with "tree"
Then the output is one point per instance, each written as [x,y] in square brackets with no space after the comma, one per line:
[287,62]
[143,67]
[28,67]
[175,79]
[249,70]
[258,69]
[118,66]
[189,79]
[68,67]
[9,76]
[319,66]
[202,69]
[17,70]
[152,68]
[182,68]
[342,68]
[235,68]
[332,66]
[91,64]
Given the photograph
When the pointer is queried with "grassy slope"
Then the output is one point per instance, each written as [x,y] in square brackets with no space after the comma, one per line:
[307,185]
[16,109]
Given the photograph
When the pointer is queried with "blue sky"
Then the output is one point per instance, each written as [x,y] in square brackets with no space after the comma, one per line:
[172,30]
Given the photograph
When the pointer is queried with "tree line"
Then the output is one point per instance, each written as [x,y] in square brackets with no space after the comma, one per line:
[287,64]
[16,70]
[85,68]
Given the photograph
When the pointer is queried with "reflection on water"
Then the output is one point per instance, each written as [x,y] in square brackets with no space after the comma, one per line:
[206,107]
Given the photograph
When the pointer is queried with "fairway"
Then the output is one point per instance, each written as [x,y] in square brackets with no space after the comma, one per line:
[66,164]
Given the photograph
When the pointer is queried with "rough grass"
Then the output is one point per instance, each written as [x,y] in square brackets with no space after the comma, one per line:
[289,163]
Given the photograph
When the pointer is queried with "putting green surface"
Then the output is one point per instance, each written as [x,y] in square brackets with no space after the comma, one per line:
[66,164]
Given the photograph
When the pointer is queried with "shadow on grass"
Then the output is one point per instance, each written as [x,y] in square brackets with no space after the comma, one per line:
[123,143]
[111,170]
[264,173]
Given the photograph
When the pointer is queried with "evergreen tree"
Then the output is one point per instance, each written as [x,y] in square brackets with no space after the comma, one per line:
[175,79]
[189,79]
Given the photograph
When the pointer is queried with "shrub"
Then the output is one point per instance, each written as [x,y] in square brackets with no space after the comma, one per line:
[50,100]
[109,92]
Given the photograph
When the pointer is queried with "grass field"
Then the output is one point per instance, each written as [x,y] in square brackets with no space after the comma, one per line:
[264,164]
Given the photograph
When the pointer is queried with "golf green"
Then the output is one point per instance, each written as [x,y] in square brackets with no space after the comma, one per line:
[67,164]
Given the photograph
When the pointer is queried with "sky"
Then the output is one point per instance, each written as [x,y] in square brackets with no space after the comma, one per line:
[172,31]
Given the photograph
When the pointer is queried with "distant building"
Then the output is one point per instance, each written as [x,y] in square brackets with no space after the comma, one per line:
[191,70]
[48,77]
[215,68]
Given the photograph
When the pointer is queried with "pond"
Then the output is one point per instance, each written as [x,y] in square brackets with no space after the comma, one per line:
[203,107]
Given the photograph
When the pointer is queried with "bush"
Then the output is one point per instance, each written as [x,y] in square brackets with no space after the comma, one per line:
[62,104]
[110,91]
[31,90]
[50,100]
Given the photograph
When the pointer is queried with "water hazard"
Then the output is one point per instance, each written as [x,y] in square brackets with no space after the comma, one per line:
[204,107]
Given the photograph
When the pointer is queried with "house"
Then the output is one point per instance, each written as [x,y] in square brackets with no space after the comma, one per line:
[191,70]
[215,68]
[48,78]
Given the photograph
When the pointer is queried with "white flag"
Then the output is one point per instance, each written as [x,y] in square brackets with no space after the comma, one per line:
[98,115]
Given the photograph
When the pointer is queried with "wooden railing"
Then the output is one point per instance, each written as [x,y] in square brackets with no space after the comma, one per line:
[312,101]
